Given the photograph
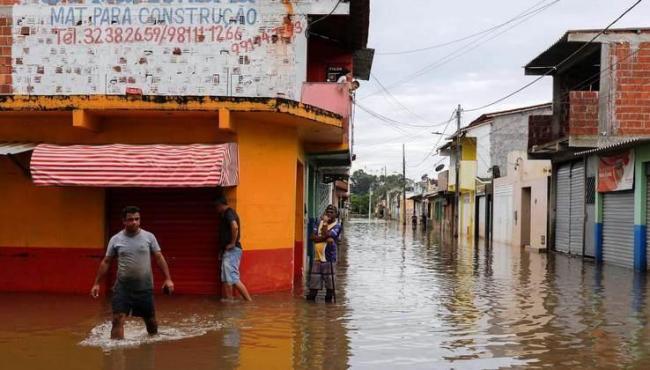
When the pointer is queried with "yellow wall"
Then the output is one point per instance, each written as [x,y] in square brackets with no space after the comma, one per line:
[468,149]
[266,195]
[32,216]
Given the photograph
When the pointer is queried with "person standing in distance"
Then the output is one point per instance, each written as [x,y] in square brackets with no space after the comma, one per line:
[133,289]
[231,250]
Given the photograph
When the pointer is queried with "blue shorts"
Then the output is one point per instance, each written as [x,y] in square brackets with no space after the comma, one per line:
[132,302]
[230,266]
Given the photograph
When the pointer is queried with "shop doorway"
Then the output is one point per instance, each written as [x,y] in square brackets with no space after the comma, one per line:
[186,225]
[525,216]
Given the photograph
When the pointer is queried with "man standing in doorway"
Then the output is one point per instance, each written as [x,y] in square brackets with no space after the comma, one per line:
[325,237]
[133,289]
[231,250]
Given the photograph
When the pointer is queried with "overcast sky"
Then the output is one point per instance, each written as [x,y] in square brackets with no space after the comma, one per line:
[483,68]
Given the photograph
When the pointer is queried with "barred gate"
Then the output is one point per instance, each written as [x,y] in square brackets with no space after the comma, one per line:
[324,197]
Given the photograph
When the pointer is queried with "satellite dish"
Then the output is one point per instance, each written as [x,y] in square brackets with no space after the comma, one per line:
[440,167]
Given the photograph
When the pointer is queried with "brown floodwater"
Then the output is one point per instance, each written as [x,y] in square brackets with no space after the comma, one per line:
[405,301]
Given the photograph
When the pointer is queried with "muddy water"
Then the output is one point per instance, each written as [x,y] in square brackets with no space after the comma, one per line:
[405,301]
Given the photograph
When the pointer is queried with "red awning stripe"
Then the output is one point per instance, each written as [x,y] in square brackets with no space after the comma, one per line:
[120,165]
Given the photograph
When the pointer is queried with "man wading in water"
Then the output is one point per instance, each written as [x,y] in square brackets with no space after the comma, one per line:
[133,290]
[231,250]
[325,238]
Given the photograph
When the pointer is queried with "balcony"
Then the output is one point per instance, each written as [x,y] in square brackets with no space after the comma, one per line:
[330,96]
[574,123]
[583,114]
[540,131]
[467,176]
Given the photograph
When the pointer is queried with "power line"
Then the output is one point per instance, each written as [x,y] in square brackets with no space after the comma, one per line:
[557,66]
[582,84]
[389,94]
[322,18]
[411,138]
[435,147]
[461,51]
[395,122]
[488,30]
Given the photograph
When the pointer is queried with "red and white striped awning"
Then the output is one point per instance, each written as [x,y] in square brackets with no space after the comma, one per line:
[149,166]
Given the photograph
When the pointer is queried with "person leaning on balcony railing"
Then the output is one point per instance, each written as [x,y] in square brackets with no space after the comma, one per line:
[345,81]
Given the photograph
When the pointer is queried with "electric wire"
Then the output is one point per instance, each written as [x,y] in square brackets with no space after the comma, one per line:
[390,95]
[310,25]
[435,147]
[583,83]
[459,52]
[386,119]
[488,30]
[557,66]
[410,137]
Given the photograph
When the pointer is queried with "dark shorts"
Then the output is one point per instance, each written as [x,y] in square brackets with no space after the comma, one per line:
[321,275]
[133,302]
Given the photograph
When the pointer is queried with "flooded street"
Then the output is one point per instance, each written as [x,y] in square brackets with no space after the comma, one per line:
[404,302]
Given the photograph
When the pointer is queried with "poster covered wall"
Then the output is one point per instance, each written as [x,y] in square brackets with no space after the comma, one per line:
[616,172]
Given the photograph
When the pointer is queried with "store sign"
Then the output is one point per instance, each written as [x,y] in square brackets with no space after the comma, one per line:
[616,172]
[247,48]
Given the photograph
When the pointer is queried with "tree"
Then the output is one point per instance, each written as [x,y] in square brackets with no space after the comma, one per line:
[359,203]
[360,182]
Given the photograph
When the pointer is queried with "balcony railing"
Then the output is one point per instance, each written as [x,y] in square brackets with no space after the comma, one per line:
[583,113]
[576,118]
[329,96]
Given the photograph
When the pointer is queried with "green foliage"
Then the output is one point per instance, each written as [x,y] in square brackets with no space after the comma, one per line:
[359,203]
[361,183]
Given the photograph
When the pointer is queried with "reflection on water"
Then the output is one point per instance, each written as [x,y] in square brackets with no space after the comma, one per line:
[405,301]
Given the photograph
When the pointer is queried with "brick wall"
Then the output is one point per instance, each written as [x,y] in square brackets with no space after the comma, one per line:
[583,113]
[540,130]
[632,79]
[5,46]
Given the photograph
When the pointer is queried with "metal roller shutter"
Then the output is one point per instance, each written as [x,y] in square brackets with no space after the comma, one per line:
[481,217]
[577,208]
[186,225]
[503,214]
[562,208]
[618,228]
[647,221]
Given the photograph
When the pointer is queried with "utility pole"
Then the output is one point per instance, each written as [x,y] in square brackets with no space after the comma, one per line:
[456,220]
[404,184]
[370,205]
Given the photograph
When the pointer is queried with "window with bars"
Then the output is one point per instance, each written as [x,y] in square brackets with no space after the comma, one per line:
[590,190]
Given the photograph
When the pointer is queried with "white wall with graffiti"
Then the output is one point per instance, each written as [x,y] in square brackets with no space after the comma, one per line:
[251,48]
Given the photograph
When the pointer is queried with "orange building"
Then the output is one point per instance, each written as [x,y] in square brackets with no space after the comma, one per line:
[284,122]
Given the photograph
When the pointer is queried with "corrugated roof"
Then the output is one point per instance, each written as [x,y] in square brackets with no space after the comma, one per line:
[628,142]
[15,148]
[563,48]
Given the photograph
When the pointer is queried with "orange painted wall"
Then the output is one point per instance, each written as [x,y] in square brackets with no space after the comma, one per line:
[266,195]
[31,216]
[134,130]
[74,217]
